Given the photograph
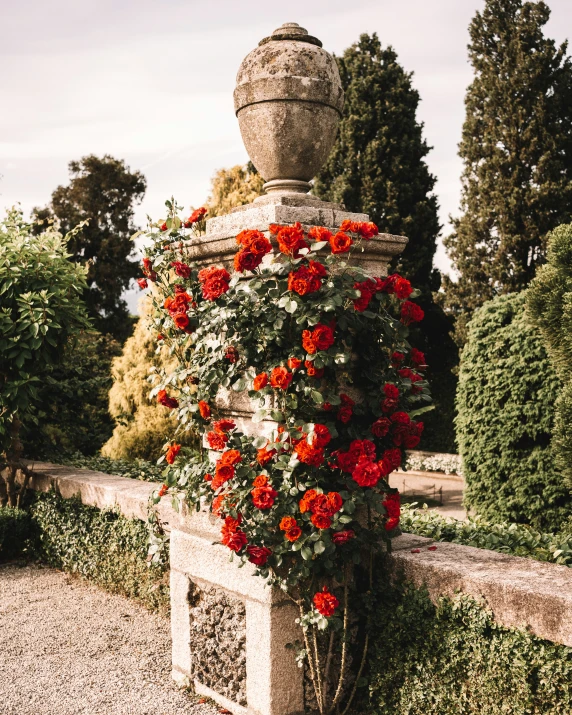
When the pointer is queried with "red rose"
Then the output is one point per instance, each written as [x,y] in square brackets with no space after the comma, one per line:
[321,522]
[309,454]
[258,555]
[231,354]
[391,393]
[217,441]
[223,472]
[367,230]
[263,497]
[197,215]
[260,381]
[302,281]
[245,260]
[204,410]
[164,489]
[214,282]
[348,225]
[402,288]
[142,282]
[181,320]
[172,453]
[263,455]
[341,537]
[418,358]
[341,242]
[312,371]
[322,436]
[334,502]
[166,401]
[397,359]
[393,457]
[181,269]
[280,378]
[294,363]
[411,313]
[345,414]
[401,418]
[325,602]
[231,456]
[223,426]
[163,227]
[366,474]
[380,427]
[307,500]
[319,233]
[291,239]
[235,540]
[392,504]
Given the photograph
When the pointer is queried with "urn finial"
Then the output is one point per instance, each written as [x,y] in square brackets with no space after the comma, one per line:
[288,100]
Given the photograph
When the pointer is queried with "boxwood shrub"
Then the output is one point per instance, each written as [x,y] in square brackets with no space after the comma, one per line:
[505,414]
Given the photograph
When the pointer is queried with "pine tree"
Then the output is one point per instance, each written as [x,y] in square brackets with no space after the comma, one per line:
[517,152]
[102,191]
[378,167]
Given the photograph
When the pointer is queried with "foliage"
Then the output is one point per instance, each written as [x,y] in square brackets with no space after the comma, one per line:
[550,307]
[142,427]
[430,462]
[73,401]
[100,545]
[233,187]
[515,539]
[453,658]
[132,469]
[41,311]
[322,348]
[378,166]
[505,404]
[517,152]
[15,532]
[102,193]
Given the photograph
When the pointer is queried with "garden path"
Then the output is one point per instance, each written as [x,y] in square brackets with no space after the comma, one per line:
[69,648]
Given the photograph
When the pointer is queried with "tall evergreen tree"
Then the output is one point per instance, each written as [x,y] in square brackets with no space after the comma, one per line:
[517,152]
[102,191]
[378,166]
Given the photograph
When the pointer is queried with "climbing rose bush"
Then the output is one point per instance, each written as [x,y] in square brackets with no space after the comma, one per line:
[320,347]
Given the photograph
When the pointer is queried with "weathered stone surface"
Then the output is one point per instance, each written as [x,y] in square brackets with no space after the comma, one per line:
[288,100]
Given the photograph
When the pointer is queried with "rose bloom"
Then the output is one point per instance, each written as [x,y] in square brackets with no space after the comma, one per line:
[334,502]
[345,414]
[392,504]
[204,410]
[411,313]
[215,287]
[166,401]
[380,427]
[321,338]
[172,453]
[235,540]
[418,358]
[224,425]
[362,303]
[322,436]
[307,500]
[402,288]
[260,481]
[308,454]
[181,269]
[217,441]
[231,456]
[321,522]
[258,555]
[366,474]
[260,381]
[287,522]
[348,225]
[248,236]
[280,378]
[245,260]
[263,455]
[231,354]
[263,497]
[401,418]
[294,363]
[303,282]
[293,534]
[393,457]
[164,489]
[341,537]
[312,371]
[197,215]
[367,230]
[397,358]
[291,239]
[181,320]
[142,282]
[341,242]
[319,233]
[325,602]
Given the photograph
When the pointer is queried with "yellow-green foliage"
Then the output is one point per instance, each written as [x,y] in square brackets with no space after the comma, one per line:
[232,187]
[142,426]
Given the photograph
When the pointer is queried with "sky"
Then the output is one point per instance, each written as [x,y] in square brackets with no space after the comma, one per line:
[151,82]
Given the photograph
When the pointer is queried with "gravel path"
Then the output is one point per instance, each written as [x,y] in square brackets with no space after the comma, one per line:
[67,648]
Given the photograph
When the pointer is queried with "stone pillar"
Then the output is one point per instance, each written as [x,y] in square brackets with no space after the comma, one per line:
[230,632]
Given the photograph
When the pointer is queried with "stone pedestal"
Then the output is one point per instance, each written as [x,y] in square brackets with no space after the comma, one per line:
[231,632]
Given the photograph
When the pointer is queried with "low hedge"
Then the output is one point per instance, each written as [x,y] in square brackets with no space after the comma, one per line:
[452,658]
[515,539]
[133,469]
[97,544]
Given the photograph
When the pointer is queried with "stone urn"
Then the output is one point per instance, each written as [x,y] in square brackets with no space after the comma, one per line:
[288,100]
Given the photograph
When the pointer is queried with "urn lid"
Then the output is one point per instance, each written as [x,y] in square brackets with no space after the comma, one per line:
[289,65]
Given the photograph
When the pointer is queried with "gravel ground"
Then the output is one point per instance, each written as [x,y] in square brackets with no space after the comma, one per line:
[68,648]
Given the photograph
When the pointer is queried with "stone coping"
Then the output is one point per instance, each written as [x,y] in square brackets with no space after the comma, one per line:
[521,592]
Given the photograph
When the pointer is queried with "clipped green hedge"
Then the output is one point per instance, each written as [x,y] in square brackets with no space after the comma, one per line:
[133,469]
[453,659]
[505,405]
[100,545]
[515,539]
[15,533]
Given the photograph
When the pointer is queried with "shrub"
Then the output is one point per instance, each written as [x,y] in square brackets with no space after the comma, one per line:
[15,531]
[550,307]
[100,545]
[515,539]
[453,658]
[132,469]
[505,405]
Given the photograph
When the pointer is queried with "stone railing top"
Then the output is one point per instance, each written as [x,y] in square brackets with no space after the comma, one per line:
[522,593]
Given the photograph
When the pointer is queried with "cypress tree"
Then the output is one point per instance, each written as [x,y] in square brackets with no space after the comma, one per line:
[517,152]
[378,166]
